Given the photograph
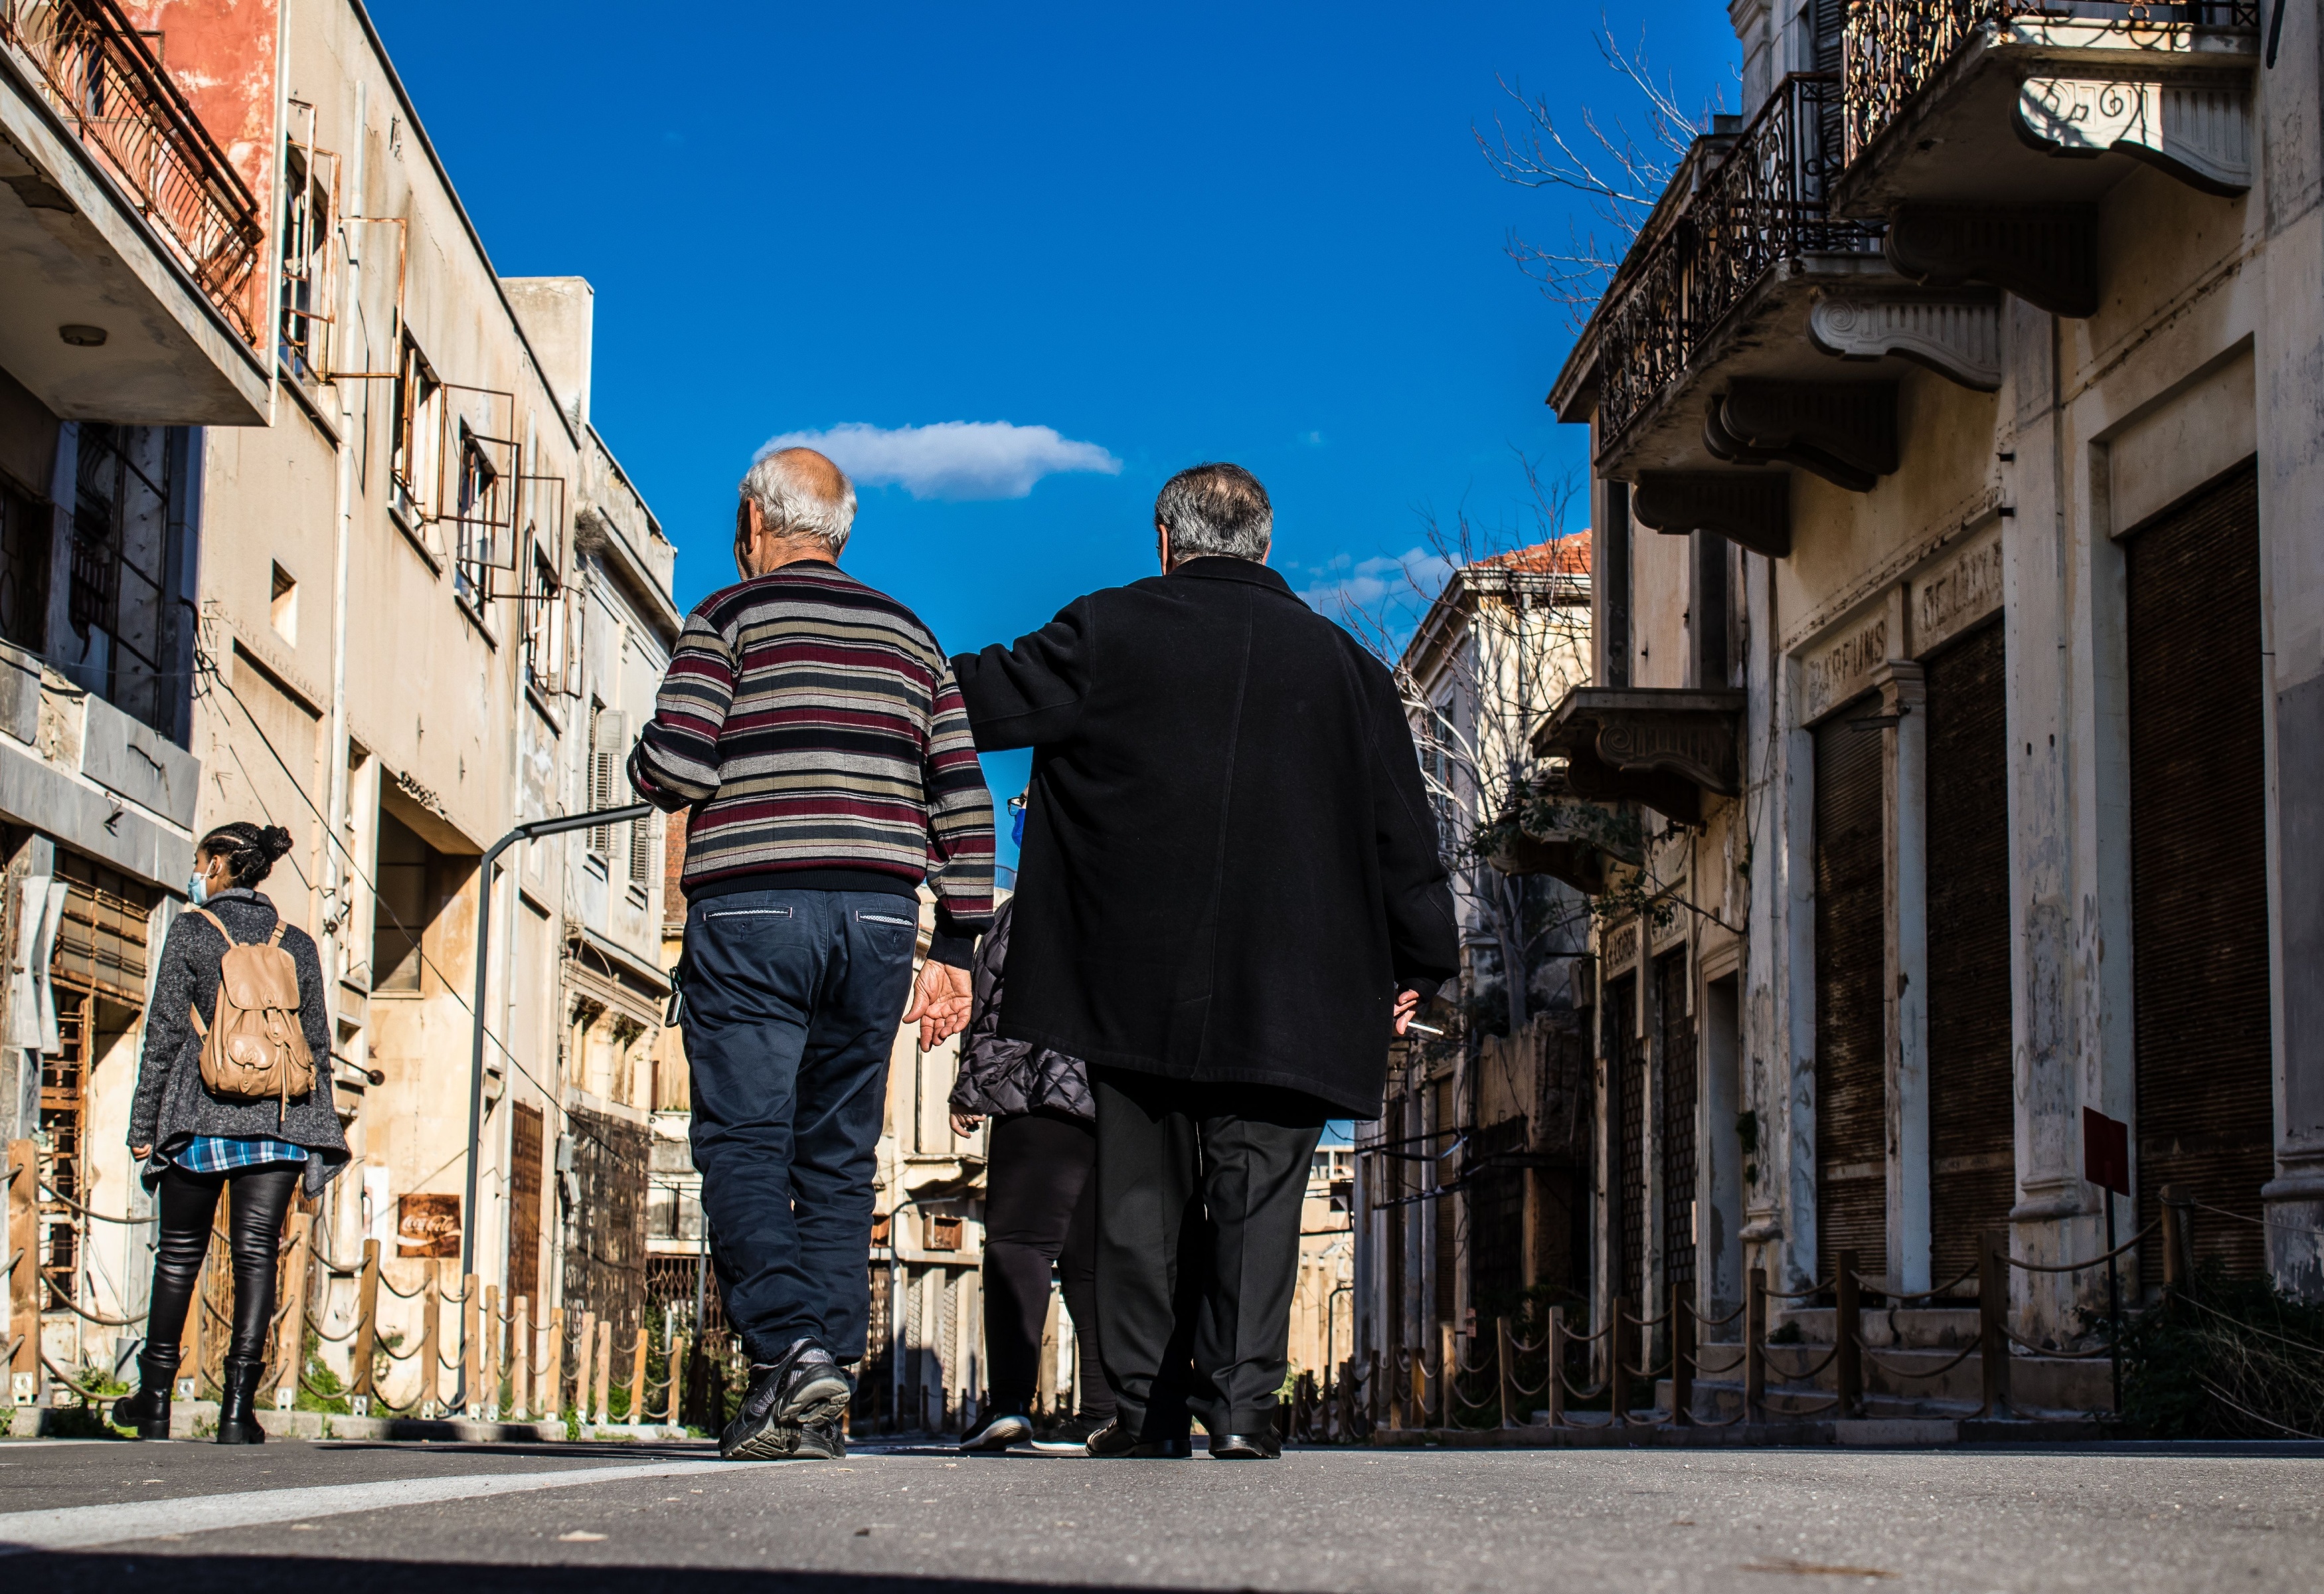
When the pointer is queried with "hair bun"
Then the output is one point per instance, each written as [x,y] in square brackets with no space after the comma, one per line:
[275,841]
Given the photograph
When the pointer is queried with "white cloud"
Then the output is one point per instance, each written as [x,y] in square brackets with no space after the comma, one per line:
[953,459]
[1373,585]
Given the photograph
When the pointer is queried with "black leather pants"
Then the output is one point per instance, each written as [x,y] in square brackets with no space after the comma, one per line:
[186,1203]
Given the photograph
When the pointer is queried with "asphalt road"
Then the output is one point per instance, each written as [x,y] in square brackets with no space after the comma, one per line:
[351,1518]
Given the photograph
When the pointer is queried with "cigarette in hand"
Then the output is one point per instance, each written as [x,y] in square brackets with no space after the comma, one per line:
[1425,1029]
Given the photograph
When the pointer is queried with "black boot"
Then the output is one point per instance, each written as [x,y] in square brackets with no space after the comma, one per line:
[237,1422]
[148,1410]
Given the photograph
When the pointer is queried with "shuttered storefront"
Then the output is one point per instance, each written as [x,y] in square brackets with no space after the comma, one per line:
[2199,870]
[1445,1211]
[1494,1160]
[1626,1056]
[1972,1113]
[1851,1081]
[1679,1093]
[524,1201]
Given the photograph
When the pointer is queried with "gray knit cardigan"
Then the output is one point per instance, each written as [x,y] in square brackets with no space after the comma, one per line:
[172,1107]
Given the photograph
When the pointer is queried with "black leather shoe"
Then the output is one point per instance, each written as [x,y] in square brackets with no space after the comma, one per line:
[1113,1439]
[237,1422]
[1246,1447]
[148,1410]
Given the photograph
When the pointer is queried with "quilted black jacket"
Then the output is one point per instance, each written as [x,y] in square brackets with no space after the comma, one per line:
[1002,1078]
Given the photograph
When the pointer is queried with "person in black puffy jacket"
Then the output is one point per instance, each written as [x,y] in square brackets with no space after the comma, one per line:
[1039,1206]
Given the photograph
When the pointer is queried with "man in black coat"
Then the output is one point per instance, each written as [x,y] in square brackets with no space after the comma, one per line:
[1230,898]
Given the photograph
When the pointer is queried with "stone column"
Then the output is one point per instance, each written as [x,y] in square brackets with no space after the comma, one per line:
[1904,1006]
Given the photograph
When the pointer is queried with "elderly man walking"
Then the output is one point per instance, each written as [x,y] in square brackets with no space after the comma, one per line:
[1228,899]
[811,725]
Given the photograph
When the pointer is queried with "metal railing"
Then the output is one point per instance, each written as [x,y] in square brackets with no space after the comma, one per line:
[1761,204]
[1891,49]
[98,75]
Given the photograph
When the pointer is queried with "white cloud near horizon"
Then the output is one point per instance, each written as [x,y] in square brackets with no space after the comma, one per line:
[1372,584]
[952,459]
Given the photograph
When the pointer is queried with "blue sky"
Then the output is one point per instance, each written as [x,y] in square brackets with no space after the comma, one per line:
[1169,233]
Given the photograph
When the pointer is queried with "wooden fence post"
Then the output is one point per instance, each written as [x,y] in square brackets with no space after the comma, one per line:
[1682,1344]
[585,1367]
[470,1347]
[488,1358]
[604,1406]
[638,1377]
[290,1334]
[1505,1362]
[1992,1316]
[1552,1386]
[1755,1348]
[1848,1336]
[520,1359]
[366,1350]
[1448,1368]
[552,1366]
[1618,1365]
[23,1339]
[673,1359]
[431,1308]
[1417,1417]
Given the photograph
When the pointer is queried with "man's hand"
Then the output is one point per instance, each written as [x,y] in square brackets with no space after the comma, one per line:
[966,1124]
[939,1004]
[1407,1004]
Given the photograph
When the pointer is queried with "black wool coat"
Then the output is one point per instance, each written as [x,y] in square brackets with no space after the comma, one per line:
[1229,864]
[1003,1077]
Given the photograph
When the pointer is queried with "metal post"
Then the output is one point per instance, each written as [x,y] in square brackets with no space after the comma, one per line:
[366,1331]
[1618,1365]
[1754,1349]
[1848,1344]
[537,828]
[1992,1314]
[1682,1344]
[2114,1301]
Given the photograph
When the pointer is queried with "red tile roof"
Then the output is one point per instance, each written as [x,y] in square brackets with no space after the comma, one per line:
[1560,556]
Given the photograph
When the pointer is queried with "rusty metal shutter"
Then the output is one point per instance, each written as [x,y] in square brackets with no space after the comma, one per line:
[1972,1110]
[2199,992]
[1626,1056]
[524,1200]
[1850,1078]
[1445,1248]
[1679,1073]
[100,942]
[1494,1162]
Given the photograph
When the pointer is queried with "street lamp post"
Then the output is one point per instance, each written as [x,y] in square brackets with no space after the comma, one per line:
[526,832]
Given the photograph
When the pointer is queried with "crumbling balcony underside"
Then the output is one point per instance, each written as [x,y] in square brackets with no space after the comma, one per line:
[1666,747]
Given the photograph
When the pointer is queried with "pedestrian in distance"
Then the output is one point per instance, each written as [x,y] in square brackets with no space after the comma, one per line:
[233,1093]
[811,725]
[1041,1207]
[1230,899]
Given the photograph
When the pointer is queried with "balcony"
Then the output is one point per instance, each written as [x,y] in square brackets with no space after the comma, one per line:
[1985,132]
[1669,749]
[130,246]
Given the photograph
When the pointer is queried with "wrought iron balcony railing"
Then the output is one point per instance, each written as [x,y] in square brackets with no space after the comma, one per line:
[1891,49]
[100,78]
[1761,204]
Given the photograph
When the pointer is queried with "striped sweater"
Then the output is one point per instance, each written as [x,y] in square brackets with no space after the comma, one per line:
[812,724]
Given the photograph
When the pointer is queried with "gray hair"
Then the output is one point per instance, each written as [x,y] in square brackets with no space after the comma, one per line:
[801,494]
[1215,510]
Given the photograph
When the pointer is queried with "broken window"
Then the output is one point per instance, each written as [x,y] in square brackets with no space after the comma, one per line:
[419,425]
[25,540]
[309,263]
[120,564]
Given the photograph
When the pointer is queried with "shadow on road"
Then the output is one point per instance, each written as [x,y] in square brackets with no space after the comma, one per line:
[108,1573]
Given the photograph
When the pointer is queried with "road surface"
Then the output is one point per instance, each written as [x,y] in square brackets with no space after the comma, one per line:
[352,1518]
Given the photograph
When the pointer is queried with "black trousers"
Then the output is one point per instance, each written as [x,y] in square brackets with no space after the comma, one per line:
[1041,1207]
[1200,1188]
[185,1203]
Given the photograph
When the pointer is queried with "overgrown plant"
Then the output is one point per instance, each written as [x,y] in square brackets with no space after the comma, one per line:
[2229,1358]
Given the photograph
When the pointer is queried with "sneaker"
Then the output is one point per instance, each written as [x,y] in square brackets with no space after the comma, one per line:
[821,1442]
[802,1387]
[1072,1436]
[997,1432]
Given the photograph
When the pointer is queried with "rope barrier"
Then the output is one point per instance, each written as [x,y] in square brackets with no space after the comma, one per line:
[53,1195]
[2253,1327]
[1896,1371]
[389,1286]
[1809,1372]
[2264,1222]
[2045,1350]
[1592,1392]
[1814,1411]
[99,1318]
[2078,1267]
[1815,1289]
[1880,1285]
[66,1379]
[1719,1421]
[1742,1356]
[1647,1322]
[1717,1322]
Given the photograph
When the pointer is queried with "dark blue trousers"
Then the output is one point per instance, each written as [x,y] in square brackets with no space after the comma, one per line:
[792,999]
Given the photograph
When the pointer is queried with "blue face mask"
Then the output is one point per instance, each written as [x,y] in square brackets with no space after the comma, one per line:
[197,887]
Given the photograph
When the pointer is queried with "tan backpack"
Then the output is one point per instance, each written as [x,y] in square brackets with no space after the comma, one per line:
[253,1048]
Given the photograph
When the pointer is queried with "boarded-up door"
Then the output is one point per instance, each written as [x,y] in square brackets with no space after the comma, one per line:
[1627,1056]
[2198,868]
[524,1201]
[1680,1092]
[1850,1081]
[1972,1122]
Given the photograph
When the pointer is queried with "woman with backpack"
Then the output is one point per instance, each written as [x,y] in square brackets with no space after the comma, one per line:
[234,1091]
